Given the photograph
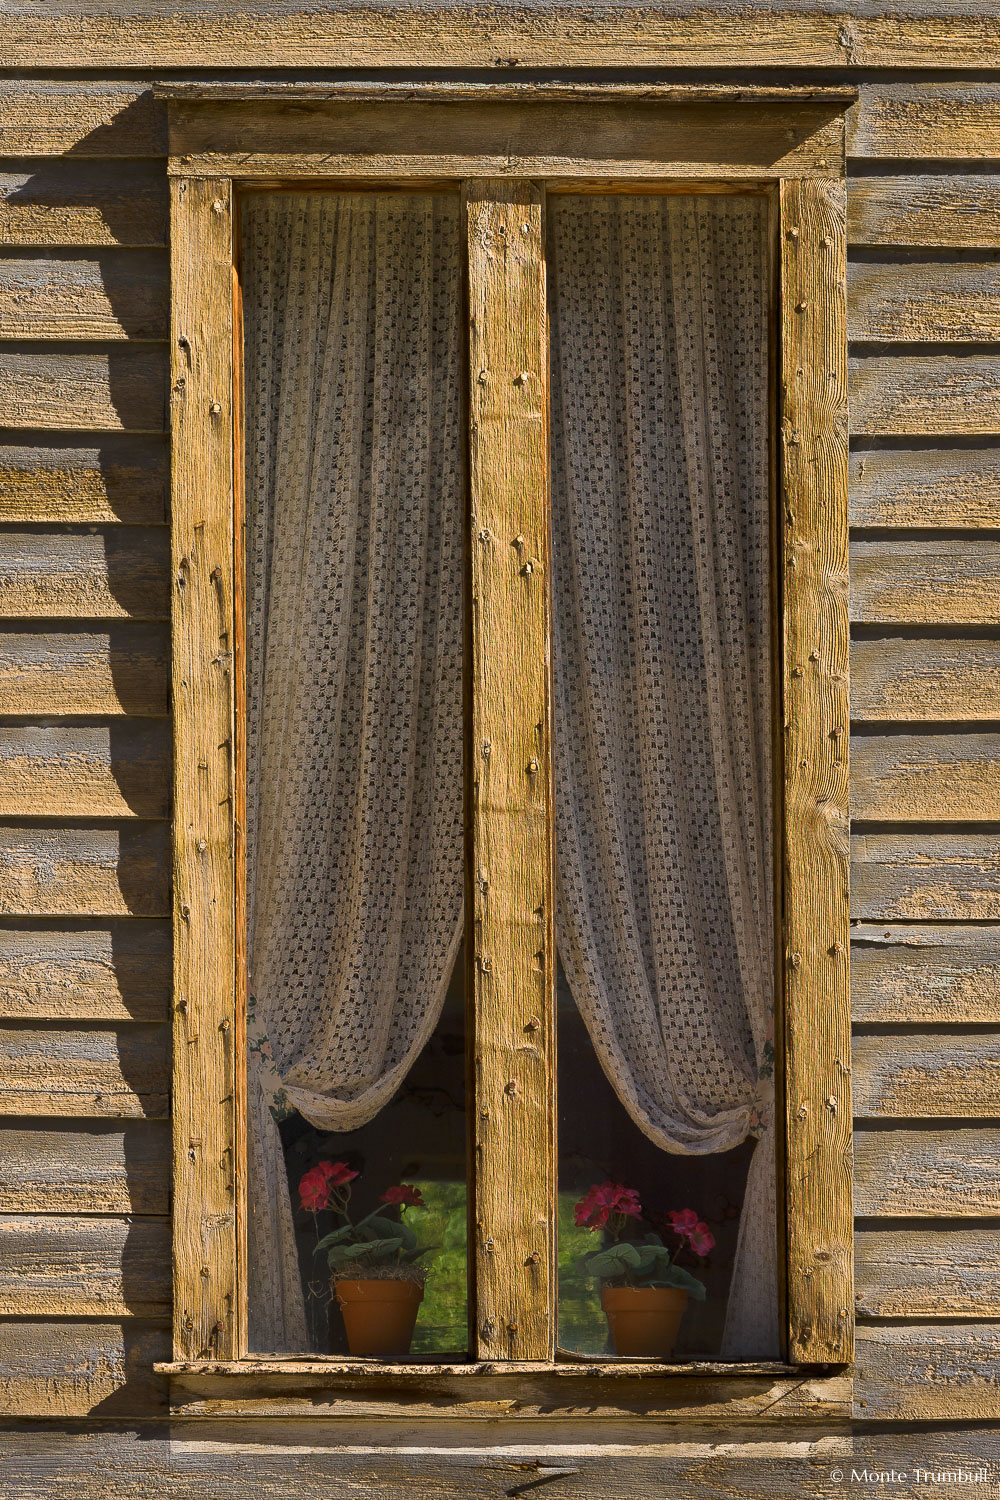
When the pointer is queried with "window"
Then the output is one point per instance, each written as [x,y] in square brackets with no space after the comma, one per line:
[651,219]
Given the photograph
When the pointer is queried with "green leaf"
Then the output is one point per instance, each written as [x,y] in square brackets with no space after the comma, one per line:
[676,1276]
[336,1237]
[616,1260]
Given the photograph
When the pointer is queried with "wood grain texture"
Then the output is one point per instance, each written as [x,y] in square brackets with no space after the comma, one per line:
[951,211]
[117,970]
[931,877]
[73,202]
[121,769]
[927,1077]
[925,680]
[927,1173]
[48,118]
[119,478]
[910,395]
[121,389]
[115,872]
[101,573]
[511,801]
[208,1085]
[815,712]
[117,294]
[950,121]
[944,975]
[925,582]
[94,1167]
[928,1273]
[923,303]
[921,487]
[926,778]
[99,1073]
[101,1368]
[920,1372]
[59,1266]
[122,669]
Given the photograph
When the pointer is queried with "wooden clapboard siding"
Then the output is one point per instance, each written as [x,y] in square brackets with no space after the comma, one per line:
[922,778]
[925,582]
[947,210]
[944,975]
[927,1372]
[926,876]
[947,121]
[115,669]
[85,1167]
[72,1369]
[916,1077]
[116,970]
[72,871]
[90,574]
[93,1071]
[120,769]
[925,679]
[48,118]
[117,478]
[60,1266]
[925,487]
[119,389]
[913,394]
[928,1273]
[930,1172]
[118,294]
[69,202]
[942,304]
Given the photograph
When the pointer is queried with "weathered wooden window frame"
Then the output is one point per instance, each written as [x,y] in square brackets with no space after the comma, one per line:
[508,146]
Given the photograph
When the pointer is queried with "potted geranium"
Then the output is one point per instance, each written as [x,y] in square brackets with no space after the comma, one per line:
[644,1291]
[373,1263]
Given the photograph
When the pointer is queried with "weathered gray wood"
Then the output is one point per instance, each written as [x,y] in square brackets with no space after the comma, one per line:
[925,1373]
[926,1173]
[923,487]
[925,582]
[943,120]
[928,1273]
[927,1077]
[944,975]
[121,769]
[117,294]
[94,1167]
[100,573]
[72,202]
[119,479]
[925,877]
[88,119]
[925,680]
[53,1369]
[925,778]
[117,970]
[917,303]
[908,395]
[121,669]
[99,1073]
[113,872]
[58,1266]
[121,389]
[951,210]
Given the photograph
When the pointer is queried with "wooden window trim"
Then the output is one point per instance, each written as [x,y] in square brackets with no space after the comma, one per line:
[789,143]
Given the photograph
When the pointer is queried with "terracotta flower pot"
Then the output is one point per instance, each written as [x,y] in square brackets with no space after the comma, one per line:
[379,1314]
[644,1319]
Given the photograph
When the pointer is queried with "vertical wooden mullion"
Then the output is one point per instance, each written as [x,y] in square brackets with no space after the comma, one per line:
[511,813]
[206,1102]
[817,1035]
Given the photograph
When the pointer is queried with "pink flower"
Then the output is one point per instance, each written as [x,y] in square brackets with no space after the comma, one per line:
[406,1195]
[316,1184]
[683,1221]
[701,1239]
[604,1199]
[338,1173]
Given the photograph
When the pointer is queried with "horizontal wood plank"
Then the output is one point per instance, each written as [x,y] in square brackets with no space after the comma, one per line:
[119,478]
[928,1273]
[933,877]
[950,121]
[925,488]
[49,118]
[105,1368]
[944,975]
[121,769]
[122,669]
[69,201]
[920,1372]
[115,872]
[119,970]
[925,778]
[925,680]
[100,573]
[926,1173]
[120,1072]
[950,211]
[117,294]
[115,390]
[921,303]
[926,1077]
[59,1266]
[95,1167]
[937,394]
[919,581]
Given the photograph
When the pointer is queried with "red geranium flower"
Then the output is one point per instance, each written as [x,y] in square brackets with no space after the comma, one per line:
[604,1199]
[701,1239]
[683,1221]
[406,1195]
[316,1184]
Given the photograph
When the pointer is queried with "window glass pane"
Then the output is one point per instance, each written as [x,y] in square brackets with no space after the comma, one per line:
[663,725]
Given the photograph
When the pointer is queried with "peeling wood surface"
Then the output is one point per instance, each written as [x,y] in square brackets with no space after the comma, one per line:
[117,970]
[933,877]
[59,1266]
[927,1077]
[103,1369]
[114,872]
[73,202]
[46,118]
[925,778]
[926,1373]
[928,1273]
[120,294]
[102,573]
[945,975]
[119,478]
[949,211]
[927,1173]
[926,582]
[925,679]
[120,389]
[914,394]
[950,121]
[118,669]
[93,1167]
[100,1073]
[919,303]
[944,488]
[116,770]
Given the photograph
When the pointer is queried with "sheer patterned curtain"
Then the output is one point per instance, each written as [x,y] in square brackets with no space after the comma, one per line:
[662,679]
[354,690]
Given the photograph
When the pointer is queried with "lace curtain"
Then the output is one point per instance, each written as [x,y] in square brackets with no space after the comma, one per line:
[354,692]
[662,673]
